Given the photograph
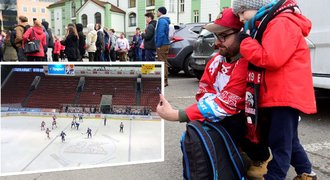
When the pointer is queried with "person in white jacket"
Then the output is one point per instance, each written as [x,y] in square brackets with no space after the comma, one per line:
[91,40]
[122,47]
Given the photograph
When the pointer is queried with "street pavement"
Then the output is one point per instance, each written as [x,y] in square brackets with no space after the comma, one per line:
[314,133]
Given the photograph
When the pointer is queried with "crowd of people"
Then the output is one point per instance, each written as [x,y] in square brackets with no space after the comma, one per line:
[98,43]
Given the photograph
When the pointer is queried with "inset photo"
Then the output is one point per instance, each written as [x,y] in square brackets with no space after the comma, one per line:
[65,116]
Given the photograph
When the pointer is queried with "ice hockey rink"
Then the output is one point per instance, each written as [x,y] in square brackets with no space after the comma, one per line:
[25,147]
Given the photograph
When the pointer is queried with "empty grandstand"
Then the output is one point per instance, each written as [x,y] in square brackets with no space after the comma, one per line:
[82,89]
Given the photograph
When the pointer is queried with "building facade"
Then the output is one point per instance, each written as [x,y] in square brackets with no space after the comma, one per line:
[85,12]
[127,15]
[34,9]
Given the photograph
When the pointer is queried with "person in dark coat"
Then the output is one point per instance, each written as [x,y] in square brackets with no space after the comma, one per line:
[71,43]
[149,37]
[99,43]
[82,40]
[50,40]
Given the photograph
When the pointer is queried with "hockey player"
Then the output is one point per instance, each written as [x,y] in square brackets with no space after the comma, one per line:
[77,125]
[63,136]
[73,123]
[54,123]
[47,132]
[54,117]
[42,126]
[105,121]
[80,117]
[89,133]
[121,127]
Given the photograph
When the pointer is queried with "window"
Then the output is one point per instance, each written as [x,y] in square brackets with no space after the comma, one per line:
[196,16]
[181,5]
[150,11]
[150,2]
[171,6]
[73,9]
[132,19]
[131,3]
[84,20]
[24,9]
[97,18]
[57,16]
[34,9]
[43,10]
[210,17]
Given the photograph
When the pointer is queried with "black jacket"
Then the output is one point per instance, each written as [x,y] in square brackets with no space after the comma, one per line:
[149,36]
[71,44]
[82,43]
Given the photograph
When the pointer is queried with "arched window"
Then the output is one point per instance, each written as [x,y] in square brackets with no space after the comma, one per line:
[73,9]
[132,19]
[84,20]
[98,18]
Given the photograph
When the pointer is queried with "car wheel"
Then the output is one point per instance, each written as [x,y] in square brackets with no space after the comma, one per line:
[188,70]
[173,71]
[198,74]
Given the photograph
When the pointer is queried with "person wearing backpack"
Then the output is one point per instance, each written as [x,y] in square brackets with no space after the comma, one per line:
[17,36]
[9,52]
[221,94]
[149,37]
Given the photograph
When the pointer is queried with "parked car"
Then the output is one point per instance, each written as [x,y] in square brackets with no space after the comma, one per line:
[181,48]
[203,50]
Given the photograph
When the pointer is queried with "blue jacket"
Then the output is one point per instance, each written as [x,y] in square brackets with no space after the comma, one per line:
[162,31]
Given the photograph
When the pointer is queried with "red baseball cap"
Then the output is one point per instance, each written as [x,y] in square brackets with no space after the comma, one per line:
[226,20]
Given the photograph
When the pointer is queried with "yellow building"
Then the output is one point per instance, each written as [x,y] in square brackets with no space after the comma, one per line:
[34,9]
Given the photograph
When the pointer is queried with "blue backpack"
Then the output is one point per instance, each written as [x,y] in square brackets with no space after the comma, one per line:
[209,153]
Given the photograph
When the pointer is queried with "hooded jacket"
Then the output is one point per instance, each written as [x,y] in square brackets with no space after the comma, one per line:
[149,36]
[162,31]
[286,58]
[91,38]
[38,35]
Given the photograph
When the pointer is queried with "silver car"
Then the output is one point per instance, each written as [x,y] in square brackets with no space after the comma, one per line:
[204,50]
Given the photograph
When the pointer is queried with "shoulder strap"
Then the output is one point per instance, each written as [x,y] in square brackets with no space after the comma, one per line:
[232,150]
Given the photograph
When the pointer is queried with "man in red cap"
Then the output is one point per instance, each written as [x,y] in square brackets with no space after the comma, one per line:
[222,89]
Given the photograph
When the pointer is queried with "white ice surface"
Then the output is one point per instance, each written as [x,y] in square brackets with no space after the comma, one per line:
[24,147]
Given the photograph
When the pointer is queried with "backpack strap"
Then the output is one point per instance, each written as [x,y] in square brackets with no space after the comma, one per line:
[232,150]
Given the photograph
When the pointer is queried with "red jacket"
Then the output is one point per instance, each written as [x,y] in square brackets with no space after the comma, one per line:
[221,90]
[57,47]
[39,35]
[285,56]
